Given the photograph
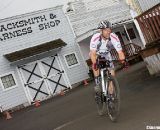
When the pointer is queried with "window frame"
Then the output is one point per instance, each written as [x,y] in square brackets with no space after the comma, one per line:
[14,77]
[67,62]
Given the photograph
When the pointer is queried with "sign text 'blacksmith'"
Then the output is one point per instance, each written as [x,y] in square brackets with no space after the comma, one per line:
[23,27]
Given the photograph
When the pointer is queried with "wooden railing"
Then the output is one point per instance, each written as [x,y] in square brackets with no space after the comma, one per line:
[149,22]
[129,50]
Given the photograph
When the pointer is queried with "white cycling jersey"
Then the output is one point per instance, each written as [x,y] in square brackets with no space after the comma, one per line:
[105,46]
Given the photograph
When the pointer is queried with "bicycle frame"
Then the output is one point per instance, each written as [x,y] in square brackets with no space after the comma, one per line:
[104,85]
[103,99]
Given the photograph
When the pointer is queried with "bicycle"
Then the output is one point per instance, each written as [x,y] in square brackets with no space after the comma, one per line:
[103,99]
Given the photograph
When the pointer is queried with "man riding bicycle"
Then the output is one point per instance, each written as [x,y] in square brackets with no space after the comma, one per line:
[100,45]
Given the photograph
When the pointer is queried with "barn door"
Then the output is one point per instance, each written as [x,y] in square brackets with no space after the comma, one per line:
[54,74]
[43,78]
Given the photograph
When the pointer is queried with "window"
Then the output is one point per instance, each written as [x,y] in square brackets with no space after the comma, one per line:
[71,59]
[8,81]
[131,33]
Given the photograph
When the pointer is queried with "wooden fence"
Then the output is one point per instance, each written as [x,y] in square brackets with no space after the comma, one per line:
[130,50]
[149,22]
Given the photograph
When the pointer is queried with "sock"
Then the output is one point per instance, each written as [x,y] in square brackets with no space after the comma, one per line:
[97,80]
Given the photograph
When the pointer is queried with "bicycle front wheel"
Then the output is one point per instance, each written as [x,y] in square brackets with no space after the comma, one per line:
[113,103]
[100,102]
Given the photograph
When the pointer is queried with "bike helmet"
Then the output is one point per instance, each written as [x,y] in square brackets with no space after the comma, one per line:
[104,24]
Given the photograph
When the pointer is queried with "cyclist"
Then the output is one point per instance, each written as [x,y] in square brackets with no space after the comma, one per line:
[101,44]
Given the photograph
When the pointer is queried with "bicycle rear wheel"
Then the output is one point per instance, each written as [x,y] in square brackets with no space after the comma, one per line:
[113,103]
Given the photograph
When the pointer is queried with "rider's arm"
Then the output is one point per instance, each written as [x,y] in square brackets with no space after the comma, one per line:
[117,45]
[121,56]
[93,56]
[93,47]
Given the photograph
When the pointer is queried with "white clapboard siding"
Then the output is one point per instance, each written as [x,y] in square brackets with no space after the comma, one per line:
[16,96]
[37,37]
[13,97]
[147,4]
[79,7]
[92,5]
[153,63]
[85,22]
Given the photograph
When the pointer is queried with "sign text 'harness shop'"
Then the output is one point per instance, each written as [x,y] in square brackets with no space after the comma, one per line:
[24,27]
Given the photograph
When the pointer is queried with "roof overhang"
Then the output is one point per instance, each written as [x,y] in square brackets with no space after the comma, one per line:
[35,52]
[125,21]
[92,31]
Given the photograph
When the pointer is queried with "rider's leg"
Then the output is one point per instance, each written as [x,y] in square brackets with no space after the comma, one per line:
[97,80]
[110,89]
[113,73]
[96,76]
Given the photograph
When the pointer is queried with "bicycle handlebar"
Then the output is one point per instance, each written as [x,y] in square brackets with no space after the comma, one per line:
[102,63]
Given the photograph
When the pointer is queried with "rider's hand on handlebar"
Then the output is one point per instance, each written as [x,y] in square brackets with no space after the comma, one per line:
[125,64]
[122,61]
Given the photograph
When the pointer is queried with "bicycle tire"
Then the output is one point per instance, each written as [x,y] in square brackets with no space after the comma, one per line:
[100,103]
[113,106]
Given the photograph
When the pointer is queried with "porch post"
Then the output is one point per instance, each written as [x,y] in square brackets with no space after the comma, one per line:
[127,33]
[140,32]
[134,14]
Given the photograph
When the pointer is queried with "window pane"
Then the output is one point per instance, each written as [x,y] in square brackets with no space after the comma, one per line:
[3,79]
[71,59]
[10,77]
[69,63]
[5,85]
[9,84]
[13,82]
[8,81]
[131,33]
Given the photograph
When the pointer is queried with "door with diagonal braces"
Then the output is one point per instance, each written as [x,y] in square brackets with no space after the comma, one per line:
[43,78]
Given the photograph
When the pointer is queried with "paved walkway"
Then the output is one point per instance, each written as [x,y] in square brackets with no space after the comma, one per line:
[140,106]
